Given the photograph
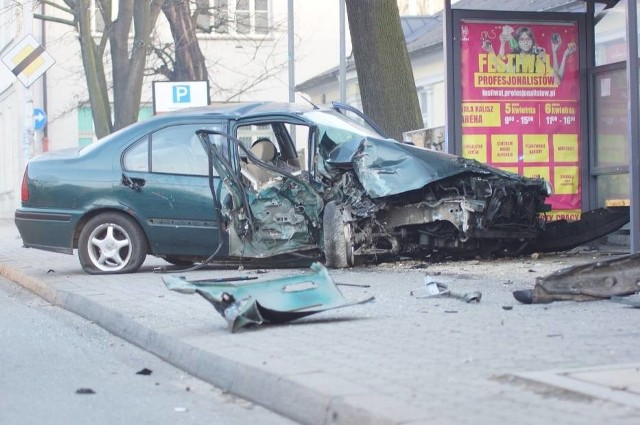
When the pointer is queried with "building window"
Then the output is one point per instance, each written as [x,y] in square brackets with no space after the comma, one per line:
[97,19]
[233,17]
[97,13]
[250,133]
[424,101]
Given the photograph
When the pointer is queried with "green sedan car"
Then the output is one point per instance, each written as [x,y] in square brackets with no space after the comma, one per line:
[267,182]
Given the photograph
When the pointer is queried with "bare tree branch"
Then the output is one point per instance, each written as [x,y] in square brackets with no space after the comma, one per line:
[54,19]
[57,6]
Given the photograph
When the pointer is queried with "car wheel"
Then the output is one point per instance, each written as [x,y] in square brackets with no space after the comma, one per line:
[338,249]
[111,243]
[177,261]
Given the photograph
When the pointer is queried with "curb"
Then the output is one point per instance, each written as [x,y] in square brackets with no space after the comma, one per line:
[310,398]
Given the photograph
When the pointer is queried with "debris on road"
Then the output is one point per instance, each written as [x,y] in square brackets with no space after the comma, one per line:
[144,371]
[586,282]
[276,301]
[85,391]
[438,289]
[632,303]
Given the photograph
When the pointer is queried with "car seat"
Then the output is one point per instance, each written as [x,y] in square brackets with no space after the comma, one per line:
[265,150]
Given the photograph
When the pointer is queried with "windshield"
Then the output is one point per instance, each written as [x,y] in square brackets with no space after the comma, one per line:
[339,128]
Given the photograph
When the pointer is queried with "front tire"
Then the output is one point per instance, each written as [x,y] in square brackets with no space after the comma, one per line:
[338,249]
[111,243]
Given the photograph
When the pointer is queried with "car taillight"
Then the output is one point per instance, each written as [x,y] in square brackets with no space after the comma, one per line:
[24,192]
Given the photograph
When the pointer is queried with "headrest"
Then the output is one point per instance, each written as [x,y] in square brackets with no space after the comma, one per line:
[264,149]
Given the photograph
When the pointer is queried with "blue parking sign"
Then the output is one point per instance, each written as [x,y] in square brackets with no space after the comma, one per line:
[174,95]
[181,94]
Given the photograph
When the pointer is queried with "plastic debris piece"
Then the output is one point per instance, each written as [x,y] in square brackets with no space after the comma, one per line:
[276,301]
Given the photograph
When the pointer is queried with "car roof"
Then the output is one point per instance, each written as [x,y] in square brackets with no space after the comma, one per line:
[239,110]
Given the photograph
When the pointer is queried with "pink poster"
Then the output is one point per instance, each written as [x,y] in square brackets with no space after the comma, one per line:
[521,103]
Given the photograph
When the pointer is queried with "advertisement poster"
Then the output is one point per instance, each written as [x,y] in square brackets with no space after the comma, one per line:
[521,103]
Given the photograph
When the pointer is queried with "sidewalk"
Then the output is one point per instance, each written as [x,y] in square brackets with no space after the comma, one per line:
[399,360]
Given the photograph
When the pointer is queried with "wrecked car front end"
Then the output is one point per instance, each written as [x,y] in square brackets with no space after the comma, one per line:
[397,198]
[349,192]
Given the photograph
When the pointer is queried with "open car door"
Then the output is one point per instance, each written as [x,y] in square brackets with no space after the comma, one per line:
[264,217]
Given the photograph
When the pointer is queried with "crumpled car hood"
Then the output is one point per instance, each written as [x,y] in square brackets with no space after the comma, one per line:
[387,167]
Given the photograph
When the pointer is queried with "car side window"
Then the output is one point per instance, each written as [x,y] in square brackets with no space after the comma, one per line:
[136,158]
[173,150]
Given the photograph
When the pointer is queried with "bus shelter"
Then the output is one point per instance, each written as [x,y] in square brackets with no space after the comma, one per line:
[550,89]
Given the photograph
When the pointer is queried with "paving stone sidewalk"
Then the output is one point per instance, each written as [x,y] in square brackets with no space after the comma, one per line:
[399,360]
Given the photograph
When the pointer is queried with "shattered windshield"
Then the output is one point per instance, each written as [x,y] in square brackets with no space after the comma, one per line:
[340,128]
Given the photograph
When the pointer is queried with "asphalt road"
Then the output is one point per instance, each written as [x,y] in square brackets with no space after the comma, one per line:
[48,356]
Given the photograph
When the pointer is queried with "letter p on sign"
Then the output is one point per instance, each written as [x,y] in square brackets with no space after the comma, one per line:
[181,94]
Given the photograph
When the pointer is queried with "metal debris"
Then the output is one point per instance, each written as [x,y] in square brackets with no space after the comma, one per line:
[586,282]
[276,301]
[438,289]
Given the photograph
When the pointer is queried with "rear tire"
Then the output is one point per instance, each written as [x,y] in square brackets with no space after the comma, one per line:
[338,249]
[111,243]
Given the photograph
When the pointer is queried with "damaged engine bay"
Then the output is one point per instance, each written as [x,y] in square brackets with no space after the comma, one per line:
[462,215]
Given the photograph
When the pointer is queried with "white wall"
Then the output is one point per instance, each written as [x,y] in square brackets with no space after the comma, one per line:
[10,152]
[13,103]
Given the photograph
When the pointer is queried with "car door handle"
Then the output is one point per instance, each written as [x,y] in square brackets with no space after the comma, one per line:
[134,183]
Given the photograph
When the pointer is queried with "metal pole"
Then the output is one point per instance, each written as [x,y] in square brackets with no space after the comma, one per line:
[291,51]
[342,79]
[27,135]
[633,129]
[450,122]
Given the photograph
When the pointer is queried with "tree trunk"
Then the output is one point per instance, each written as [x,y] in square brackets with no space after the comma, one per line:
[94,72]
[385,76]
[189,61]
[127,60]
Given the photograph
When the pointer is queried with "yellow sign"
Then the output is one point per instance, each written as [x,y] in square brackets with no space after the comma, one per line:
[28,60]
[481,114]
[504,148]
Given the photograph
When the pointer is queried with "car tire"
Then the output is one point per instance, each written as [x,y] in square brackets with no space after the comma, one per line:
[338,249]
[112,243]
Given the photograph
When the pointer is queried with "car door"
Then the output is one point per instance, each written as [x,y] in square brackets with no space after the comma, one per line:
[165,183]
[266,218]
